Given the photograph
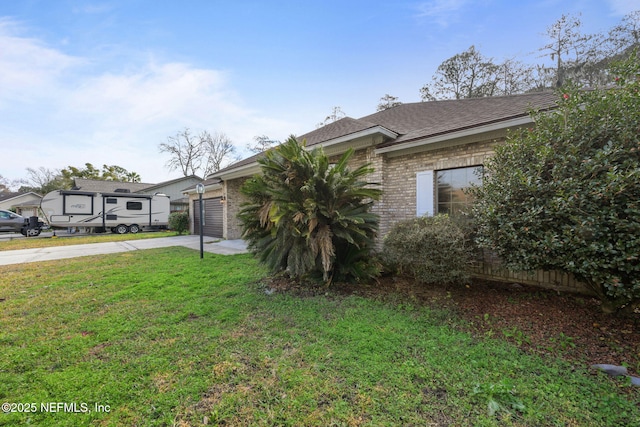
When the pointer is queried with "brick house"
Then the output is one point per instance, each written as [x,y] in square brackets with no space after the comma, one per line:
[424,155]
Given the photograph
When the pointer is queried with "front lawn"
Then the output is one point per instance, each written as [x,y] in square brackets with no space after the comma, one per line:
[160,337]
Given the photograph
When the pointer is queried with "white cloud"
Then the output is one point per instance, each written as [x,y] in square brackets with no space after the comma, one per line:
[442,12]
[152,93]
[56,114]
[27,66]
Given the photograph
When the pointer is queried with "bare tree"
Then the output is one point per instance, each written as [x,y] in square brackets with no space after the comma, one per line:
[387,102]
[567,46]
[514,77]
[626,35]
[336,114]
[43,180]
[4,185]
[217,149]
[186,152]
[262,144]
[542,78]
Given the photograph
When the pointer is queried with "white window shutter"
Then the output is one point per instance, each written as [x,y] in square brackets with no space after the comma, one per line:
[424,193]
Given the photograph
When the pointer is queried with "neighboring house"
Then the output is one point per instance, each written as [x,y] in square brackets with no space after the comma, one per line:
[424,155]
[103,186]
[173,188]
[25,204]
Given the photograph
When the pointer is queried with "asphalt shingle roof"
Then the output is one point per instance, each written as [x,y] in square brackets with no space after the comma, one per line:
[337,129]
[427,119]
[421,120]
[108,186]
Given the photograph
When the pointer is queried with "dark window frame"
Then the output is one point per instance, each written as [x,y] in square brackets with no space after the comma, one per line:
[134,206]
[451,185]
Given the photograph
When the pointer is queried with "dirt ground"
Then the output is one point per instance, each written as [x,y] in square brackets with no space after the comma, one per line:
[537,320]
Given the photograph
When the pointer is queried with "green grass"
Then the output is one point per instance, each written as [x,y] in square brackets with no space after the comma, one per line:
[44,242]
[164,338]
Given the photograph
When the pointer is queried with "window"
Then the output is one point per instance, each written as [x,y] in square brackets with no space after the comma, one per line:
[111,201]
[134,206]
[451,185]
[443,191]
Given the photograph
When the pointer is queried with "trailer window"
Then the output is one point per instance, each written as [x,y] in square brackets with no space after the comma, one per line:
[111,201]
[134,206]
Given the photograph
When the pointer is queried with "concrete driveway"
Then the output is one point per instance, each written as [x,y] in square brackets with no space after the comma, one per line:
[222,247]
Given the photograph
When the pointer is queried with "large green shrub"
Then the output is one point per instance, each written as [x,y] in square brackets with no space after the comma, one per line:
[566,194]
[431,249]
[179,222]
[307,217]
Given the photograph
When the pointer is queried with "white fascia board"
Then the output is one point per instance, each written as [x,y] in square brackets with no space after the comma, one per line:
[243,171]
[513,123]
[206,188]
[360,134]
[253,168]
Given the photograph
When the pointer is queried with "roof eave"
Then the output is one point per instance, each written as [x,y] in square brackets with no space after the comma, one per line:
[210,187]
[357,135]
[239,172]
[254,168]
[459,134]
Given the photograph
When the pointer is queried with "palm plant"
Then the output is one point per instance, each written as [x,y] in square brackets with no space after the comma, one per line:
[306,216]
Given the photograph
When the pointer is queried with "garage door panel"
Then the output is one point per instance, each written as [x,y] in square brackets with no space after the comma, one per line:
[212,225]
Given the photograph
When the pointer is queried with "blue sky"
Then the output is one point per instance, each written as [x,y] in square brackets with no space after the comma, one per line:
[105,82]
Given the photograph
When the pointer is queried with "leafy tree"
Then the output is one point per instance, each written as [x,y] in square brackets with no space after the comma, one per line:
[566,195]
[306,216]
[465,75]
[107,173]
[387,102]
[132,177]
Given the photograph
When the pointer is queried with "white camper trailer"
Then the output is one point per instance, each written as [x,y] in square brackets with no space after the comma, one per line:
[120,212]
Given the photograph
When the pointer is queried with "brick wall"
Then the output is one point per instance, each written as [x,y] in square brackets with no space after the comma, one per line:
[399,177]
[234,200]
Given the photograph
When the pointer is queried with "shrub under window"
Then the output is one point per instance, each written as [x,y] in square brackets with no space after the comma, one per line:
[433,250]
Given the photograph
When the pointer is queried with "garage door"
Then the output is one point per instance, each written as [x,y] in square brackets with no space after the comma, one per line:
[212,225]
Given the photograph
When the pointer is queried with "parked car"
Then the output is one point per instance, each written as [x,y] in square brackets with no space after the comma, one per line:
[13,223]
